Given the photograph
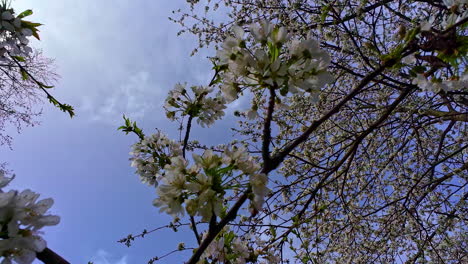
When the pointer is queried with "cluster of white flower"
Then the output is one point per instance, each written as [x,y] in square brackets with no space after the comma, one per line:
[202,186]
[21,218]
[273,60]
[455,3]
[244,162]
[14,33]
[150,155]
[171,191]
[226,248]
[206,109]
[198,186]
[446,85]
[456,11]
[229,248]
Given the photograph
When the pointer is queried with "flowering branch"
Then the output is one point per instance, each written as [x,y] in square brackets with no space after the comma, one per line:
[280,156]
[26,74]
[379,121]
[277,159]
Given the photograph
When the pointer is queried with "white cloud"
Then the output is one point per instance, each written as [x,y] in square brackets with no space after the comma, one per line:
[135,97]
[121,63]
[104,257]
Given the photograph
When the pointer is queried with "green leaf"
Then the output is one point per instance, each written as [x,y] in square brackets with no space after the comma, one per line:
[418,69]
[324,13]
[25,13]
[223,212]
[30,24]
[273,231]
[170,114]
[131,127]
[63,107]
[274,51]
[228,237]
[322,208]
[36,35]
[67,108]
[46,86]
[33,26]
[19,58]
[225,170]
[411,35]
[24,74]
[284,90]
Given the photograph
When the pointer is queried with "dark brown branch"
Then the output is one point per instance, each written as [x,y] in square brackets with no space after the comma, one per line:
[347,18]
[231,215]
[280,156]
[184,148]
[187,135]
[50,257]
[353,149]
[276,160]
[267,128]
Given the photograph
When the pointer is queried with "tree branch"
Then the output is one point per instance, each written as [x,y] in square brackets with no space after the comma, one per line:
[267,129]
[278,158]
[50,257]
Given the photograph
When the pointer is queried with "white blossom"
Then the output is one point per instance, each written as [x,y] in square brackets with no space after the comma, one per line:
[21,218]
[261,31]
[197,104]
[445,85]
[150,155]
[227,248]
[301,67]
[13,36]
[347,195]
[259,188]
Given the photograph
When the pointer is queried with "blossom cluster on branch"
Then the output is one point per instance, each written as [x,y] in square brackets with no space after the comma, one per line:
[22,216]
[151,155]
[230,248]
[272,58]
[199,105]
[436,55]
[14,32]
[202,186]
[24,74]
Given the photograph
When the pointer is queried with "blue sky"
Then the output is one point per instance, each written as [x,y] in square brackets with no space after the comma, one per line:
[114,57]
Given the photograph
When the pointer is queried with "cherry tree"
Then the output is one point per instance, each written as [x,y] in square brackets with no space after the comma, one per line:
[352,150]
[25,74]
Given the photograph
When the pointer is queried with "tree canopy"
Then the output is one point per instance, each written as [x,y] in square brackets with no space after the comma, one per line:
[25,74]
[353,149]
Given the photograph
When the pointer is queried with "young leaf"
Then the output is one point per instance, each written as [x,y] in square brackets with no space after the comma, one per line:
[19,58]
[24,74]
[46,86]
[67,108]
[131,127]
[63,107]
[30,24]
[25,13]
